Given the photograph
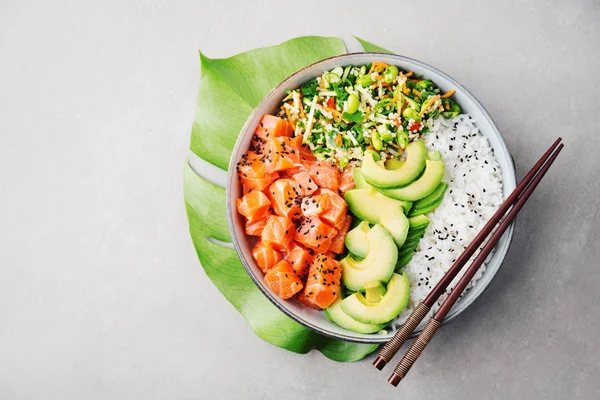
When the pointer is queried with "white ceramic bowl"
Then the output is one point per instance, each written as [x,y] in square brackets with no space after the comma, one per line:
[316,320]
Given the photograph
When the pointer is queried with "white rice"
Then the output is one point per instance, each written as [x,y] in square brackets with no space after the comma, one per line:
[474,193]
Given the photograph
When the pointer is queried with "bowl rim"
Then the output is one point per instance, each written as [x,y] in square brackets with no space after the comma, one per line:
[459,307]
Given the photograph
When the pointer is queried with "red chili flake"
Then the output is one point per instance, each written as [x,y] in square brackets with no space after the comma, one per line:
[414,127]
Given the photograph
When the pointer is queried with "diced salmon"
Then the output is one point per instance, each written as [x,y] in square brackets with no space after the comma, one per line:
[255,228]
[325,175]
[279,232]
[257,144]
[265,255]
[347,180]
[323,283]
[302,298]
[335,213]
[315,234]
[337,246]
[282,153]
[306,186]
[283,194]
[246,190]
[301,259]
[272,126]
[289,173]
[253,205]
[312,206]
[306,154]
[282,280]
[252,171]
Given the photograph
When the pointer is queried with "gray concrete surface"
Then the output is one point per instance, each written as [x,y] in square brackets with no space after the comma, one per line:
[101,294]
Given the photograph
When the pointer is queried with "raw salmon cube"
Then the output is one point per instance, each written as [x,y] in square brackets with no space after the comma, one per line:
[265,255]
[301,259]
[336,211]
[323,284]
[255,228]
[347,180]
[306,186]
[284,198]
[272,126]
[282,280]
[312,206]
[282,153]
[278,232]
[337,246]
[315,234]
[253,205]
[325,175]
[253,173]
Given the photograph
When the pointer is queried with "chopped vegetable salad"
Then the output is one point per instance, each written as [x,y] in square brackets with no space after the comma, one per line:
[347,112]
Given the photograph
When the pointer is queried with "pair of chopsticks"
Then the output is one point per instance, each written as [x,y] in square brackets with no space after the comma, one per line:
[514,202]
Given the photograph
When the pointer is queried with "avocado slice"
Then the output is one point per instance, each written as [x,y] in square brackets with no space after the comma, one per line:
[435,155]
[422,187]
[380,177]
[356,240]
[430,202]
[374,292]
[359,181]
[392,164]
[393,302]
[369,205]
[427,209]
[336,315]
[397,225]
[377,266]
[418,222]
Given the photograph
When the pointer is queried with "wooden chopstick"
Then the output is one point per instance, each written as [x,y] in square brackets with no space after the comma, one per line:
[427,333]
[401,336]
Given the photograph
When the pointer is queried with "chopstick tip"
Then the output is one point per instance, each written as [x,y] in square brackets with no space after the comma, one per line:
[379,363]
[394,379]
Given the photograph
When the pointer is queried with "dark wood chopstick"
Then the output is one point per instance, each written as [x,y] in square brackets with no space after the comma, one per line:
[427,334]
[401,336]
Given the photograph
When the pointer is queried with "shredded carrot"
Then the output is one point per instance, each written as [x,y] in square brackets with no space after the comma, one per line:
[290,117]
[415,91]
[441,108]
[428,104]
[406,91]
[338,140]
[302,114]
[408,74]
[450,93]
[332,110]
[377,65]
[447,106]
[416,80]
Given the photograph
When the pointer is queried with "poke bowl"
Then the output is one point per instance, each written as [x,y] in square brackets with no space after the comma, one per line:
[354,185]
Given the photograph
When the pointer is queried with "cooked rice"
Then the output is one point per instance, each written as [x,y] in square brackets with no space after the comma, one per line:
[474,193]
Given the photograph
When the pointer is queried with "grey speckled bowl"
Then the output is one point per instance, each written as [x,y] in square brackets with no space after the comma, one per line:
[316,320]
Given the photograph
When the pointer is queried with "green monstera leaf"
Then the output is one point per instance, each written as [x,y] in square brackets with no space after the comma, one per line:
[229,90]
[368,46]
